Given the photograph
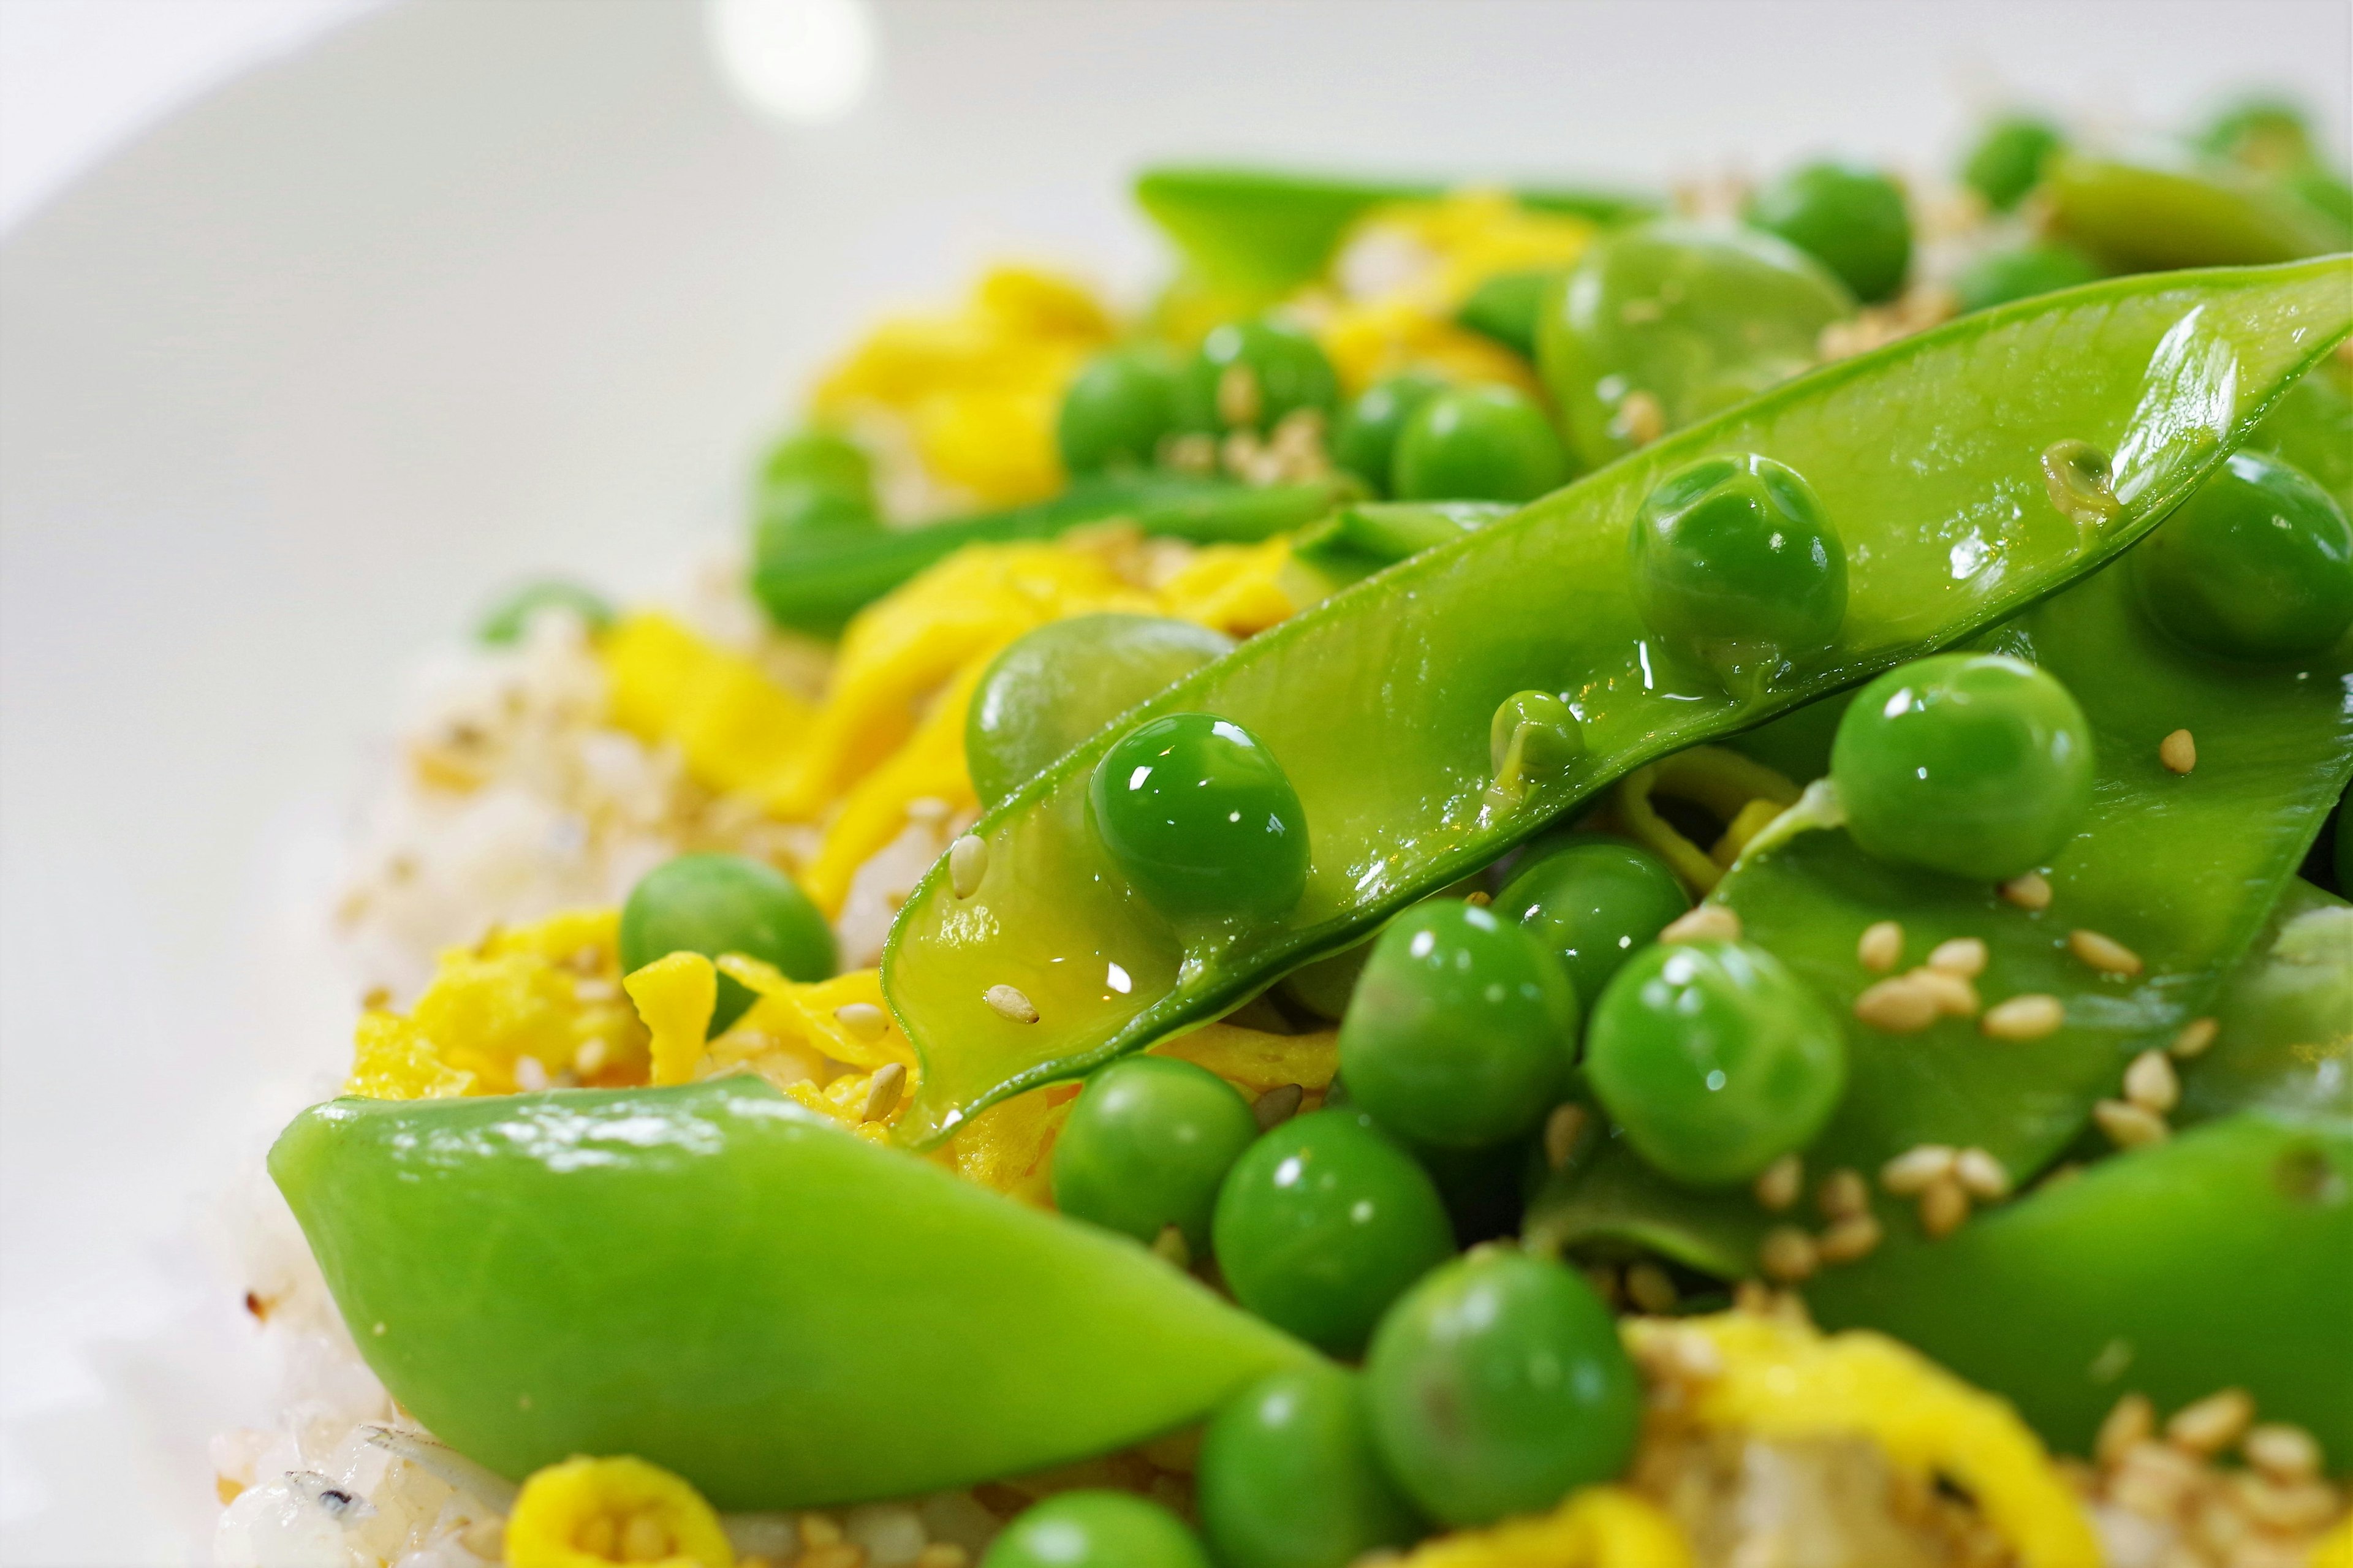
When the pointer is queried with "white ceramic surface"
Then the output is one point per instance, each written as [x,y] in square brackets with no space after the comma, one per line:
[477,287]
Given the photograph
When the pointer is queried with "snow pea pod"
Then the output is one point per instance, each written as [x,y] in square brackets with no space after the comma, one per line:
[2144,215]
[1933,459]
[735,1287]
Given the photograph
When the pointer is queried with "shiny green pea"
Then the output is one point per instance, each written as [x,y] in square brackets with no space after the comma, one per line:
[2267,134]
[2020,273]
[1095,1529]
[1497,1386]
[1976,764]
[1147,1145]
[1714,1059]
[1592,901]
[1478,443]
[1201,818]
[1117,409]
[1735,563]
[825,458]
[1506,307]
[1851,220]
[1054,687]
[792,507]
[1247,375]
[715,904]
[2006,161]
[2257,565]
[1288,1478]
[1461,1032]
[1533,738]
[1322,1223]
[1365,441]
[512,617]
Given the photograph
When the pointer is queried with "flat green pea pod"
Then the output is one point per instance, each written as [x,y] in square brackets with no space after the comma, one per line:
[1929,457]
[2148,215]
[736,1288]
[1360,540]
[2282,1030]
[2222,1258]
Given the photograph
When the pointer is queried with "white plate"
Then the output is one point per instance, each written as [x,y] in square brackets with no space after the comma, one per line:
[471,289]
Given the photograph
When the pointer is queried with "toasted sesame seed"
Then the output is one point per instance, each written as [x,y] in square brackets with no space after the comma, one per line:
[1787,1254]
[2128,1125]
[1707,922]
[1478,899]
[968,864]
[2177,752]
[2151,1083]
[883,1089]
[377,998]
[2284,1506]
[2212,1424]
[1899,1006]
[863,1019]
[1779,1183]
[820,1529]
[2105,953]
[1011,1004]
[2026,1017]
[1277,1105]
[1854,1236]
[1562,1130]
[2030,890]
[1881,946]
[1844,1195]
[1981,1175]
[590,1057]
[1641,418]
[530,1074]
[2282,1452]
[1964,956]
[1910,1174]
[1649,1289]
[1955,996]
[1943,1206]
[2132,1420]
[2195,1037]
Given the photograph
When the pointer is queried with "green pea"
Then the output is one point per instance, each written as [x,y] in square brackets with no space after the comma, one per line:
[1324,986]
[1201,818]
[1506,307]
[715,904]
[2020,273]
[1365,441]
[1714,1059]
[1733,562]
[1478,443]
[1056,686]
[1977,764]
[1322,1223]
[1497,1386]
[1851,219]
[2270,136]
[1592,901]
[1461,1032]
[793,508]
[510,617]
[1117,409]
[1288,1478]
[2006,161]
[825,458]
[1146,1144]
[1247,375]
[2258,564]
[1095,1529]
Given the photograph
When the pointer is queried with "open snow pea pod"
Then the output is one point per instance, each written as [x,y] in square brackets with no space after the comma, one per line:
[795,1315]
[2146,215]
[2284,1024]
[1929,457]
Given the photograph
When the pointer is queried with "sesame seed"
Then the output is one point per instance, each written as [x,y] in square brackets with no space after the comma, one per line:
[1239,400]
[2133,1420]
[590,1057]
[968,864]
[1881,946]
[1899,1006]
[943,1555]
[1478,899]
[2195,1037]
[1778,1185]
[2105,953]
[1954,996]
[1708,923]
[1170,1245]
[1964,956]
[1009,1005]
[1787,1254]
[1277,1105]
[2177,752]
[820,1529]
[1844,1195]
[2282,1452]
[928,808]
[1909,1173]
[2128,1126]
[2031,890]
[883,1089]
[530,1073]
[2027,1018]
[1943,1205]
[1641,418]
[1562,1130]
[1649,1289]
[1981,1175]
[2212,1423]
[2151,1084]
[1854,1236]
[2284,1507]
[863,1019]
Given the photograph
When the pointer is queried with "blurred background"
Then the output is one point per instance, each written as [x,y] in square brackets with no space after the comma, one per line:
[320,319]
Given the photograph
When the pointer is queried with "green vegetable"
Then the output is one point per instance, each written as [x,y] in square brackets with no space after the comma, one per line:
[1147,1145]
[2008,161]
[1715,1060]
[2022,272]
[1478,443]
[824,459]
[1366,439]
[1380,700]
[1592,901]
[734,1288]
[791,509]
[1247,375]
[1975,765]
[2283,1037]
[2311,428]
[2257,565]
[2141,216]
[1287,1477]
[1360,538]
[1733,562]
[1506,307]
[1461,1030]
[1322,1223]
[1117,410]
[1850,219]
[1095,1529]
[1671,322]
[1497,1386]
[715,904]
[1061,683]
[507,619]
[2264,134]
[1200,817]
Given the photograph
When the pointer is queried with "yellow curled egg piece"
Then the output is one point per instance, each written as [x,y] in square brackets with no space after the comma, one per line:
[1599,1527]
[593,1513]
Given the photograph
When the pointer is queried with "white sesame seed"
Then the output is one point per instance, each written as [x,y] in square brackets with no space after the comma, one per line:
[1778,1185]
[2177,752]
[1478,899]
[2105,953]
[2027,1018]
[1848,1238]
[1909,1173]
[1981,1175]
[530,1073]
[883,1089]
[1899,1006]
[1964,956]
[1844,1195]
[2195,1037]
[2282,1452]
[968,864]
[2030,890]
[1649,1289]
[1170,1245]
[863,1019]
[2151,1083]
[1011,1004]
[2284,1507]
[2132,1421]
[1955,996]
[1943,1205]
[1881,946]
[1787,1254]
[1641,418]
[2212,1423]
[2128,1125]
[1562,1130]
[1277,1105]
[1707,922]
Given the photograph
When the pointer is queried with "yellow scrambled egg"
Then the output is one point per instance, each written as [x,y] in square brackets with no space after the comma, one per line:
[598,1513]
